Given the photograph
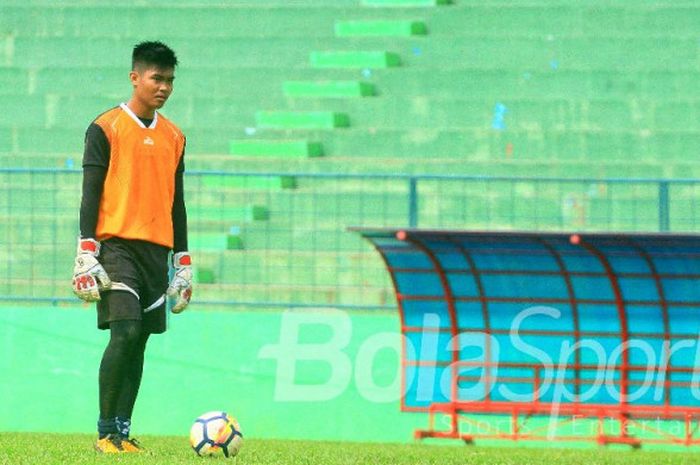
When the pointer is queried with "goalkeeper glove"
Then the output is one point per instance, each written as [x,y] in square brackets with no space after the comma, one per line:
[89,277]
[181,284]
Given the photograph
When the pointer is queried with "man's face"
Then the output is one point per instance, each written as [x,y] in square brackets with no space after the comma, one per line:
[152,86]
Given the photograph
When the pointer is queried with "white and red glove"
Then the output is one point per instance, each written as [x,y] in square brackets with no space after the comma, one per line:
[89,277]
[181,283]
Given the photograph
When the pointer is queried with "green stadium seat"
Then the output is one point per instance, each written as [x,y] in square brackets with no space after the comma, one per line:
[379,28]
[301,120]
[218,242]
[405,3]
[328,89]
[234,242]
[354,59]
[204,275]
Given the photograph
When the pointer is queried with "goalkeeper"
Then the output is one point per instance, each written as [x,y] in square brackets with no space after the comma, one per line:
[132,215]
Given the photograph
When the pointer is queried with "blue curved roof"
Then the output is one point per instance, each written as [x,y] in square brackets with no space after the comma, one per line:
[605,319]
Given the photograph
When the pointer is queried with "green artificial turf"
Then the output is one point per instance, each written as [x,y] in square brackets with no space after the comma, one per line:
[76,449]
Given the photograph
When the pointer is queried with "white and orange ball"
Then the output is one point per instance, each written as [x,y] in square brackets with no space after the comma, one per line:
[215,433]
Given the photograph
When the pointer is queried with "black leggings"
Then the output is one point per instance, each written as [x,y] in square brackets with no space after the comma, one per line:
[121,368]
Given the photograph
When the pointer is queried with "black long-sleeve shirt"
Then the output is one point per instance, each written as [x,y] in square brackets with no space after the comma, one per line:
[95,164]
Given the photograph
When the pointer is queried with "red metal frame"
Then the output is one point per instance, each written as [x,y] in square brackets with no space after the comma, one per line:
[664,308]
[572,301]
[484,304]
[450,299]
[624,333]
[520,413]
[402,321]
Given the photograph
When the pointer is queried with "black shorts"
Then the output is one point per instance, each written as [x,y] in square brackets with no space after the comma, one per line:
[139,274]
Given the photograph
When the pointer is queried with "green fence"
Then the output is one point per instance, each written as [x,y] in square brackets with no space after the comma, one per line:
[276,239]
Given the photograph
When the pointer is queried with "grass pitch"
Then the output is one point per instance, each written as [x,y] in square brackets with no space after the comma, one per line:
[76,449]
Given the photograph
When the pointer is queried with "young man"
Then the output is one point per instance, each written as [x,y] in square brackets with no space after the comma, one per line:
[132,215]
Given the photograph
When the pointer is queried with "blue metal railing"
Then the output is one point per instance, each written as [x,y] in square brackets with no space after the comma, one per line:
[260,239]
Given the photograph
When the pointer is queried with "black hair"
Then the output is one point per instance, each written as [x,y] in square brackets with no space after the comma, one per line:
[153,53]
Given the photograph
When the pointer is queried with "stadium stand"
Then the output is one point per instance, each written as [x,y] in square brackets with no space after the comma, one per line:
[563,103]
[310,86]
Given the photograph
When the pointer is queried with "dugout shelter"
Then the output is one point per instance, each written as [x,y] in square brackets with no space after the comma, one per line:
[559,336]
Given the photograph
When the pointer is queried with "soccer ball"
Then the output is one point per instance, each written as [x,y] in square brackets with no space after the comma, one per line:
[216,431]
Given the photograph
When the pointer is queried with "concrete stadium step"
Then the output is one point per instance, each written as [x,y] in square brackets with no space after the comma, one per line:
[678,164]
[540,54]
[68,143]
[244,84]
[307,294]
[354,59]
[196,52]
[6,140]
[623,215]
[256,83]
[497,166]
[301,120]
[212,241]
[199,52]
[257,182]
[224,20]
[23,110]
[531,210]
[226,213]
[191,3]
[49,111]
[41,190]
[46,233]
[319,217]
[519,84]
[298,240]
[24,286]
[564,19]
[531,113]
[491,205]
[40,140]
[378,27]
[51,256]
[473,144]
[9,159]
[292,20]
[285,266]
[522,114]
[278,258]
[275,148]
[405,3]
[536,54]
[538,143]
[413,145]
[328,89]
[14,81]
